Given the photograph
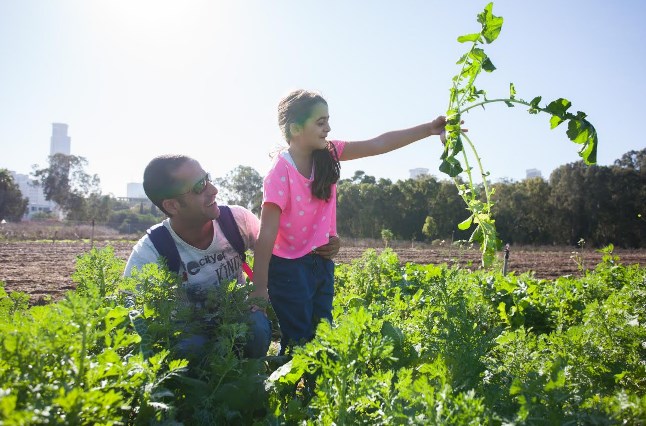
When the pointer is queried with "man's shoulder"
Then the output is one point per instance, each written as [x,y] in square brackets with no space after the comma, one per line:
[241,213]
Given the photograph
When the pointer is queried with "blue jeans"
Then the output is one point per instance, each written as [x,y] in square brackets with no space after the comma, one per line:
[301,292]
[256,346]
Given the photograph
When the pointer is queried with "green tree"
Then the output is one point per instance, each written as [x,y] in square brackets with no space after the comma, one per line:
[12,204]
[633,160]
[242,186]
[430,227]
[387,236]
[522,211]
[67,184]
[569,220]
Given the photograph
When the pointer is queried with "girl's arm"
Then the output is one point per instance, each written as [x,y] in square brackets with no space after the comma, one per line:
[392,140]
[269,221]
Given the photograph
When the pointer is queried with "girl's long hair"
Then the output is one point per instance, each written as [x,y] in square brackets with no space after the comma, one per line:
[327,171]
[296,108]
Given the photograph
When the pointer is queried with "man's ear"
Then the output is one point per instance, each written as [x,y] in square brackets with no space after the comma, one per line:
[295,129]
[171,205]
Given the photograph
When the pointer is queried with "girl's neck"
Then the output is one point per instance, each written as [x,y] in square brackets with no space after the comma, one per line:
[302,159]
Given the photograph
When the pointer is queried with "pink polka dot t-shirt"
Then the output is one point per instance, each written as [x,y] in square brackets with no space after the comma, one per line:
[306,222]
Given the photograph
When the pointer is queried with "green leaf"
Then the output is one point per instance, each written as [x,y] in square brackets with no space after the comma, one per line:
[491,24]
[534,107]
[558,107]
[579,131]
[487,65]
[466,224]
[509,104]
[512,91]
[589,150]
[555,120]
[469,37]
[451,167]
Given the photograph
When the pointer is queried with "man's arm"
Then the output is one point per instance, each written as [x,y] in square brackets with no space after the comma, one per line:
[143,252]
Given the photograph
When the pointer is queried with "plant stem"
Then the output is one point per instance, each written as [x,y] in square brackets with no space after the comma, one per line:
[482,173]
[510,100]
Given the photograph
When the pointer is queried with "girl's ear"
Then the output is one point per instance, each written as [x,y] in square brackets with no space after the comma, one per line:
[294,129]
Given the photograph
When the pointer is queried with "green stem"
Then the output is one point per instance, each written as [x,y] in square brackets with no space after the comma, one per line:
[467,169]
[510,100]
[456,81]
[482,173]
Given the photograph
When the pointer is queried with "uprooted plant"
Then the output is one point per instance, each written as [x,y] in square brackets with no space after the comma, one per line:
[464,96]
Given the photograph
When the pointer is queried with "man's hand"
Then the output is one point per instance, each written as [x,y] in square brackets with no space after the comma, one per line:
[329,250]
[258,300]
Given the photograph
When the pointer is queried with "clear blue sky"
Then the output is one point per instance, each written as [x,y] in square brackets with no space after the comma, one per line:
[138,78]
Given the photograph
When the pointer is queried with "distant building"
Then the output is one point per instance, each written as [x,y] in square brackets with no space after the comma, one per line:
[532,173]
[60,143]
[418,172]
[37,201]
[135,190]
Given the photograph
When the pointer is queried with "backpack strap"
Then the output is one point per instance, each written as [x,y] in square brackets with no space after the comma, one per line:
[231,231]
[165,245]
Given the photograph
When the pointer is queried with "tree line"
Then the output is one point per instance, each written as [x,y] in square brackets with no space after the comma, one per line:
[595,204]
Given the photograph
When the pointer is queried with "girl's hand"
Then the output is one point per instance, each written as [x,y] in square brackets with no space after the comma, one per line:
[438,128]
[437,125]
[329,250]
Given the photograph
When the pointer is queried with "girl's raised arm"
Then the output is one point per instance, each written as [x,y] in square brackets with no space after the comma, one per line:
[391,141]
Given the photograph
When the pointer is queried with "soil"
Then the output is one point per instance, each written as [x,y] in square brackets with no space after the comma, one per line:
[44,269]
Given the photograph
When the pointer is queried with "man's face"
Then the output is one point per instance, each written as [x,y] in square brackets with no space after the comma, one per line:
[196,201]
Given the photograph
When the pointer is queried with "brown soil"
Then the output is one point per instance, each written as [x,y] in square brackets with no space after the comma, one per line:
[44,269]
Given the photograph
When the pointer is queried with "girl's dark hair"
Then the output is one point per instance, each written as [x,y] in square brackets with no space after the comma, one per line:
[296,108]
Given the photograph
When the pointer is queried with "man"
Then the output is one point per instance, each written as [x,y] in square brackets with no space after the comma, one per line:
[179,186]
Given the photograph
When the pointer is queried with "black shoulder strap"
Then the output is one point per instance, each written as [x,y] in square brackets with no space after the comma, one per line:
[165,245]
[231,231]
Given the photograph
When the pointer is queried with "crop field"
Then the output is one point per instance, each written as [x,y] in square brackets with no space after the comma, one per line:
[43,269]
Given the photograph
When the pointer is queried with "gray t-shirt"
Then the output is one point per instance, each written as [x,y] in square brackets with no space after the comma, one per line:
[203,268]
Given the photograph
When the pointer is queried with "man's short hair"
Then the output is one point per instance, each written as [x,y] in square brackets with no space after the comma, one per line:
[159,181]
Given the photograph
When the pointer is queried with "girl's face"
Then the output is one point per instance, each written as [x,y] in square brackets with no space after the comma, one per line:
[314,132]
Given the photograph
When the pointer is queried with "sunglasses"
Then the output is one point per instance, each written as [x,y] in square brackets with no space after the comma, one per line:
[200,185]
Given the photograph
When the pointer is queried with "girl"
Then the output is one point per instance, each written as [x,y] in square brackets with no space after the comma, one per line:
[299,212]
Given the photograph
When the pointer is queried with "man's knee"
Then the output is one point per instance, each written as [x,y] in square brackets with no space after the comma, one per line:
[260,338]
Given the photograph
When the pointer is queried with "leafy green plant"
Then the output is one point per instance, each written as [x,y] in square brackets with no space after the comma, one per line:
[387,236]
[464,96]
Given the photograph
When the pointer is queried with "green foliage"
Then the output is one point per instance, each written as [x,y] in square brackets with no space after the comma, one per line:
[242,186]
[430,345]
[66,183]
[75,361]
[410,344]
[387,236]
[130,222]
[12,204]
[464,96]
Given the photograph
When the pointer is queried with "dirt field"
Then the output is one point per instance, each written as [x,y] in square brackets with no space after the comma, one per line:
[45,268]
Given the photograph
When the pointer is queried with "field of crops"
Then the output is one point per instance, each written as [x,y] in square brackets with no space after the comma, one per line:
[410,344]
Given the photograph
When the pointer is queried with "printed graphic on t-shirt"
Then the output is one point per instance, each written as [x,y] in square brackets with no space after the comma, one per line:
[209,271]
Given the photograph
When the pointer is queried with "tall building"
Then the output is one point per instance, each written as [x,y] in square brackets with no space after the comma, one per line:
[136,190]
[418,172]
[60,143]
[532,173]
